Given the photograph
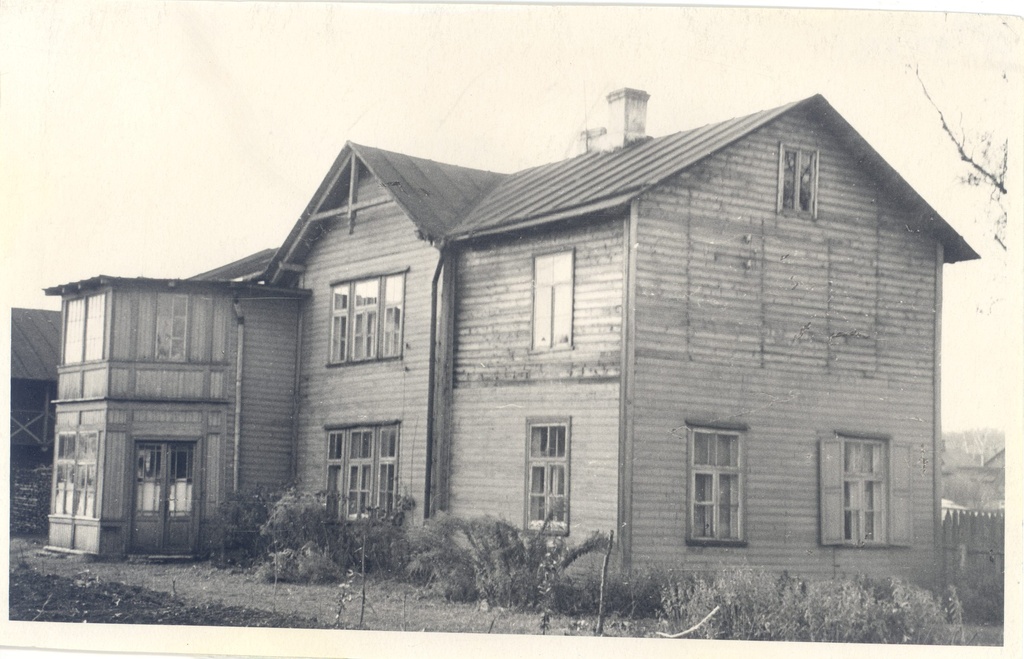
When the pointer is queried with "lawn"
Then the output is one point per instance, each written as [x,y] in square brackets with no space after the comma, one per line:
[48,586]
[201,594]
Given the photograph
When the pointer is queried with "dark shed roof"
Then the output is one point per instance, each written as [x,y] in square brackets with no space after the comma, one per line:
[246,268]
[35,344]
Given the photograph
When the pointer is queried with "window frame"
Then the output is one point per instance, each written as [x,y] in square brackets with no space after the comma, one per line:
[72,467]
[338,484]
[801,153]
[534,302]
[880,477]
[894,513]
[716,472]
[560,528]
[158,333]
[83,335]
[382,337]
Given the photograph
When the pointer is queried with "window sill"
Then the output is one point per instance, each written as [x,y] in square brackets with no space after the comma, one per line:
[867,545]
[549,531]
[379,360]
[712,542]
[788,212]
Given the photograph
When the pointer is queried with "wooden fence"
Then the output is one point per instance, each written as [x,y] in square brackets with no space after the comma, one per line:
[973,558]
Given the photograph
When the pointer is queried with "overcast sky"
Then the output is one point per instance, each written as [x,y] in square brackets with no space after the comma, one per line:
[164,139]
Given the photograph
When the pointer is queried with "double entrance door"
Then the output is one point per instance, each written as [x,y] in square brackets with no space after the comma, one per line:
[165,496]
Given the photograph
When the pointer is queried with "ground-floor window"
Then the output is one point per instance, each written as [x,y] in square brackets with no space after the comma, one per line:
[866,493]
[547,475]
[362,470]
[716,485]
[75,477]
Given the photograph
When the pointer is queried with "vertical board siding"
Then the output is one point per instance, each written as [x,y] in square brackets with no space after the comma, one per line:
[794,326]
[383,241]
[114,468]
[268,386]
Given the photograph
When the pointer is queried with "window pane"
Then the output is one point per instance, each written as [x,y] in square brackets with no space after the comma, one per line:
[73,331]
[851,459]
[807,181]
[394,290]
[341,298]
[703,490]
[542,316]
[789,179]
[703,526]
[537,480]
[386,487]
[727,454]
[367,293]
[339,338]
[389,442]
[334,490]
[334,441]
[171,315]
[94,327]
[703,449]
[562,315]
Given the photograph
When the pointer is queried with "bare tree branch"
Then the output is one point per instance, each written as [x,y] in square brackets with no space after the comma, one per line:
[996,179]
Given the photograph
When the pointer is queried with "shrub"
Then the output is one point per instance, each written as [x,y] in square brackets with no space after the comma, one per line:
[490,559]
[759,606]
[240,518]
[310,564]
[629,595]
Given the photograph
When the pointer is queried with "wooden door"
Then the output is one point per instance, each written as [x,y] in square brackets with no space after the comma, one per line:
[165,493]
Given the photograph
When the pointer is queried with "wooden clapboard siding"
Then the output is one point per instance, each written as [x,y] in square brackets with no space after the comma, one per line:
[794,326]
[500,381]
[268,391]
[489,440]
[494,307]
[383,240]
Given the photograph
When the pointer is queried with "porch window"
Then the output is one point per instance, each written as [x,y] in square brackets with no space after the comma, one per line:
[367,317]
[547,488]
[552,301]
[362,470]
[75,481]
[171,326]
[716,485]
[84,329]
[865,491]
[798,180]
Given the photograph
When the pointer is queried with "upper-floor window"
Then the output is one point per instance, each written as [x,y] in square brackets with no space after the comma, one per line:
[367,316]
[798,180]
[171,326]
[362,470]
[84,329]
[547,487]
[552,300]
[716,485]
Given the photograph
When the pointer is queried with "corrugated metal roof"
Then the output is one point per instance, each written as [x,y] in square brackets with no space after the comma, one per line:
[587,179]
[35,344]
[434,195]
[246,268]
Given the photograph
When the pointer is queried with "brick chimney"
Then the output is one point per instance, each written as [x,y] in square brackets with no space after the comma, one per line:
[627,122]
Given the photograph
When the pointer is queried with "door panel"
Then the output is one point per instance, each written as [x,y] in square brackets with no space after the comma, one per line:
[164,496]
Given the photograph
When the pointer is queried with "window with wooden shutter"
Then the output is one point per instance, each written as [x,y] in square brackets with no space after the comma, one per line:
[865,491]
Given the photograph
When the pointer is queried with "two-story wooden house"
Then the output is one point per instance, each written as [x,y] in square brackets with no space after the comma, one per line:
[722,343]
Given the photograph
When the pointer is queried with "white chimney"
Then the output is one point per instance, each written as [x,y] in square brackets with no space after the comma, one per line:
[627,117]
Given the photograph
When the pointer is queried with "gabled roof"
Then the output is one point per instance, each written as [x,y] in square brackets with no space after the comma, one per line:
[455,203]
[604,179]
[597,181]
[244,269]
[433,195]
[35,344]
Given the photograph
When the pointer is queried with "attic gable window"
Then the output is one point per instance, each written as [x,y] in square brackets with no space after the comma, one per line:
[367,318]
[552,301]
[798,181]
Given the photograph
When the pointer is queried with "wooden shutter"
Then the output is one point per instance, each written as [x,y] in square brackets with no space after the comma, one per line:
[901,531]
[831,491]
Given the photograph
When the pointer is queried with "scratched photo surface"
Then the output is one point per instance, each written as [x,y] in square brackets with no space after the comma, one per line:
[546,329]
